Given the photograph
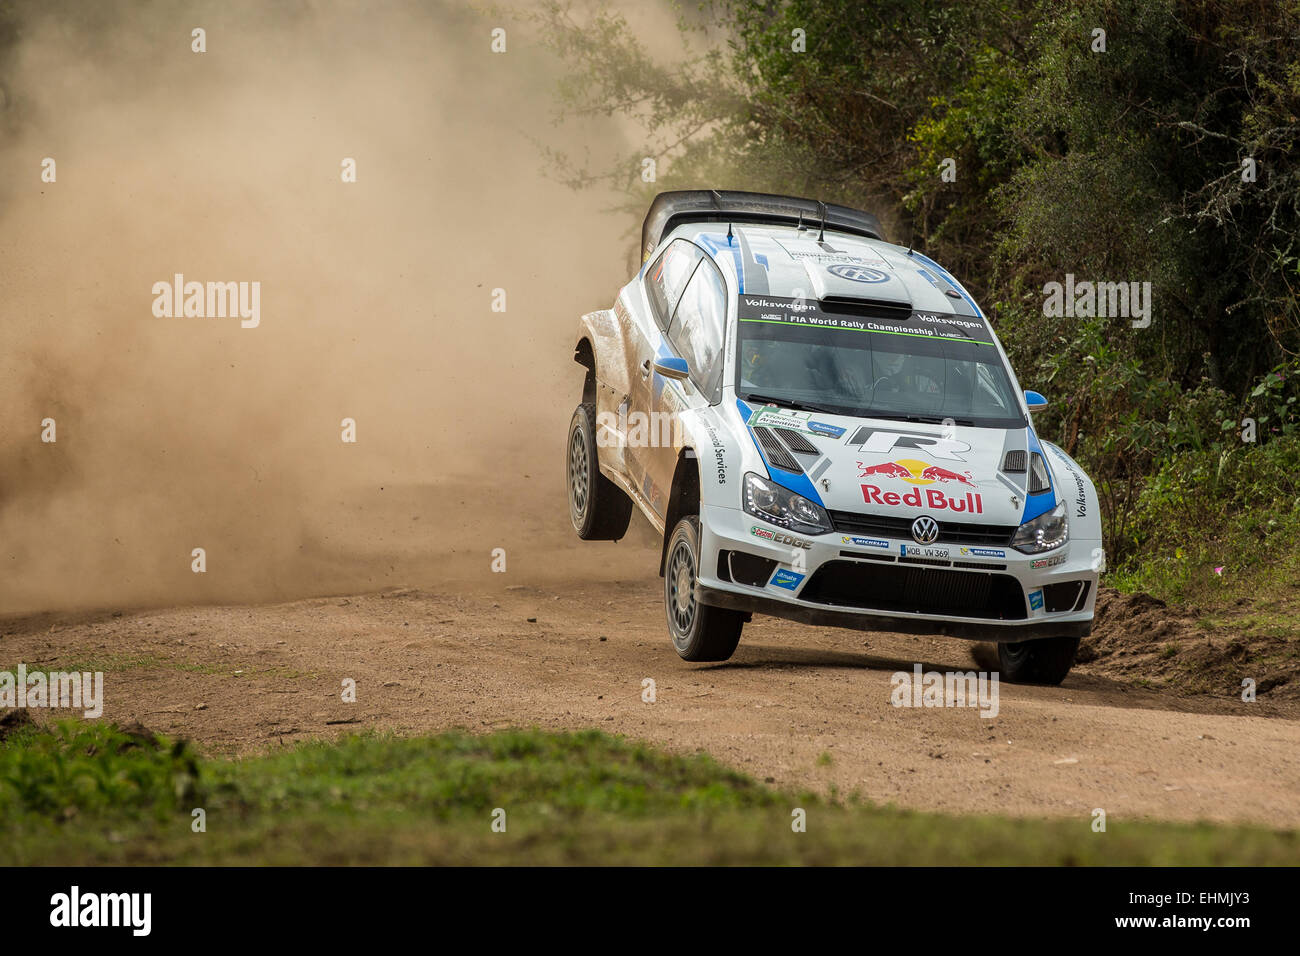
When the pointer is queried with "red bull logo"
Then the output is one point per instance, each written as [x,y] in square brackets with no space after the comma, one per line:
[890,468]
[916,472]
[933,498]
[943,475]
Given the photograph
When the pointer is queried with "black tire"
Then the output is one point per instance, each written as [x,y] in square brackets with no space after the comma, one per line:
[598,508]
[699,632]
[1044,661]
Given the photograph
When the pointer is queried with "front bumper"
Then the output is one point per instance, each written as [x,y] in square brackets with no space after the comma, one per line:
[980,593]
[859,620]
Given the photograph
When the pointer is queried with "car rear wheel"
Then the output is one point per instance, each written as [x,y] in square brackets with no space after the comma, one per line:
[599,509]
[1044,661]
[699,632]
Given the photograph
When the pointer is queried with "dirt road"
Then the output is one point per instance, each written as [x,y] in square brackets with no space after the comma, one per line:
[799,707]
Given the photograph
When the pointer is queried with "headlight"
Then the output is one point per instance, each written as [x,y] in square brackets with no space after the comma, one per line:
[767,500]
[1045,533]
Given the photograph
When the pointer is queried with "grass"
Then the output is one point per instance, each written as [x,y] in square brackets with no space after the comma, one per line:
[92,794]
[1189,578]
[1214,528]
[1239,577]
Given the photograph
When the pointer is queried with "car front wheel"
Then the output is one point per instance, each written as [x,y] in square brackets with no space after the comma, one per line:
[1044,661]
[699,632]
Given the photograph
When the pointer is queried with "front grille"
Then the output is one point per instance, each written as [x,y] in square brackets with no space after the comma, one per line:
[777,456]
[916,590]
[950,532]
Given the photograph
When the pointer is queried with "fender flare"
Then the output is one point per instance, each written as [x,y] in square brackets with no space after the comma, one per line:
[599,349]
[1077,490]
[683,499]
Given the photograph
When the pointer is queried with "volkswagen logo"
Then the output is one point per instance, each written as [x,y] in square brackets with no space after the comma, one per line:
[854,273]
[924,530]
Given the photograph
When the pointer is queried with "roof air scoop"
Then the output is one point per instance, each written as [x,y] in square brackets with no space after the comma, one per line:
[871,279]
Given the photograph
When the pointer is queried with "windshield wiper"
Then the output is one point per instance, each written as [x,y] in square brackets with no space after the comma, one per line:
[917,419]
[795,404]
[857,413]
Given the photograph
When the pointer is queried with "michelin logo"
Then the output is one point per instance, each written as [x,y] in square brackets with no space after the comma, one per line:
[864,542]
[983,552]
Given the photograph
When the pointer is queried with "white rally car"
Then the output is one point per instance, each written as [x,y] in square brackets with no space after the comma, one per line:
[824,427]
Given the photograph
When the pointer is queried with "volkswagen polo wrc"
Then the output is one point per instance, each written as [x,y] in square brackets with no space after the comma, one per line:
[824,427]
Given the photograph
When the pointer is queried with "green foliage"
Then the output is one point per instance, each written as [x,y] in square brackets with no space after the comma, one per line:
[1234,508]
[454,774]
[93,768]
[1274,403]
[584,798]
[1122,165]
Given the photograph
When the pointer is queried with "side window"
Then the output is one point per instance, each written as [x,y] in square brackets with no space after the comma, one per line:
[669,274]
[699,325]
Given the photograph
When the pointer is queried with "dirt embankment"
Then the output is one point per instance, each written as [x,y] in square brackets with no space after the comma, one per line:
[1138,638]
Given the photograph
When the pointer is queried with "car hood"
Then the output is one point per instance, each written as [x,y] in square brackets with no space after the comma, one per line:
[897,469]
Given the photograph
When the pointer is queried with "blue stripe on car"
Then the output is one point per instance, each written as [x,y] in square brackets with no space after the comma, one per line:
[713,243]
[1042,502]
[943,273]
[799,483]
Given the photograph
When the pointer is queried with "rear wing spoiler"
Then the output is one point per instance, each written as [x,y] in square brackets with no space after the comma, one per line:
[671,209]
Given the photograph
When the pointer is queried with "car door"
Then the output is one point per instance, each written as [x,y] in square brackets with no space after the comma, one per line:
[665,281]
[696,332]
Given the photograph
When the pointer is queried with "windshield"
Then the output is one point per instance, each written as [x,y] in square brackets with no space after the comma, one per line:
[918,367]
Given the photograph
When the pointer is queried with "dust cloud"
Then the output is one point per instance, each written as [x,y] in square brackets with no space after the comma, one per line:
[376,303]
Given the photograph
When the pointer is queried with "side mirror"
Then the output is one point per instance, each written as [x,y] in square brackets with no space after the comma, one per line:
[1035,401]
[673,367]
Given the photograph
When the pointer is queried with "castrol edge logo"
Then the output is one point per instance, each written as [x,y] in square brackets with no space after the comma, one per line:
[921,474]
